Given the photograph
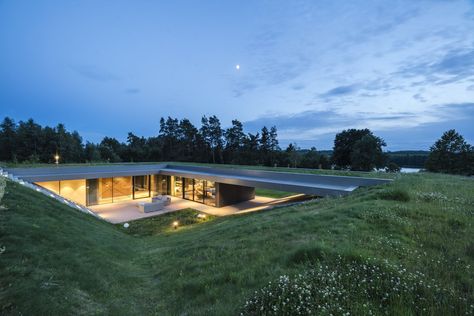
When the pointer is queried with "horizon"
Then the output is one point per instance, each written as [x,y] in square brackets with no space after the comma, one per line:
[310,69]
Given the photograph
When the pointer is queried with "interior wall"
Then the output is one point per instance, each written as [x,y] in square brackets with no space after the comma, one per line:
[122,189]
[50,185]
[228,194]
[74,190]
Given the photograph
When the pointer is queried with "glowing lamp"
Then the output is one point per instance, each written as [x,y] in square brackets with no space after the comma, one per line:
[175,224]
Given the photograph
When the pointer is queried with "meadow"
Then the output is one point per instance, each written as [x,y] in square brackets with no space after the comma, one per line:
[402,248]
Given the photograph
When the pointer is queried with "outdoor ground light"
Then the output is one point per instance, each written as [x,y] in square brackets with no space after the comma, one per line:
[56,157]
[175,224]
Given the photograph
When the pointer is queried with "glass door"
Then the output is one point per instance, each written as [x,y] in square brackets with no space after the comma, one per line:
[210,193]
[141,187]
[189,189]
[199,190]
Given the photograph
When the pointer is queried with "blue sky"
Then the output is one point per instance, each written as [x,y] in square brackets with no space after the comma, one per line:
[404,69]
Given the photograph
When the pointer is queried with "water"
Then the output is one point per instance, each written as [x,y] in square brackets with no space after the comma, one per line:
[410,170]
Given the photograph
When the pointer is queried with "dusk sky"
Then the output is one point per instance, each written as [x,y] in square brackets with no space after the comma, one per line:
[404,69]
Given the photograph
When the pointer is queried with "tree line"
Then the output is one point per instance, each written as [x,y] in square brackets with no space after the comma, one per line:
[179,140]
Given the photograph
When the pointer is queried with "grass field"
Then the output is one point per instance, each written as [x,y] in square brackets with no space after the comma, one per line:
[403,248]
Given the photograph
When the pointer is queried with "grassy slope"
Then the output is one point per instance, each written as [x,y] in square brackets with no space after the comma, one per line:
[59,261]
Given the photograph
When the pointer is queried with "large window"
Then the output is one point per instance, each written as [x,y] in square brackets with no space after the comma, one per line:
[108,190]
[141,187]
[188,189]
[74,190]
[99,191]
[122,189]
[159,185]
[210,193]
[199,186]
[177,188]
[92,192]
[197,190]
[119,189]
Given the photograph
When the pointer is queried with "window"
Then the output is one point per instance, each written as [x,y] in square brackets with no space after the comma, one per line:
[141,187]
[178,187]
[189,189]
[210,193]
[199,190]
[159,185]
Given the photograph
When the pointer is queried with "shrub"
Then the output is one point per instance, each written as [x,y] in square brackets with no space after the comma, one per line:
[392,167]
[395,194]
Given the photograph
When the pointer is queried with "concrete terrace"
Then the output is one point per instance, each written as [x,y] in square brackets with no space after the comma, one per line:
[128,211]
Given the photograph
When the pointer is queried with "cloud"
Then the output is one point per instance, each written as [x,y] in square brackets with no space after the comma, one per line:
[340,91]
[419,97]
[454,66]
[242,87]
[271,72]
[95,73]
[312,127]
[456,62]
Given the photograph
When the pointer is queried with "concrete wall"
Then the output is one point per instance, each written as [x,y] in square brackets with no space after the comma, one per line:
[228,194]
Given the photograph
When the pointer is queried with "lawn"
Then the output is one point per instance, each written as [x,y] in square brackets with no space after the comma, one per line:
[403,248]
[272,193]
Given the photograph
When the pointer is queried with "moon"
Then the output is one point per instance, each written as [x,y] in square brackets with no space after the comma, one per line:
[237,67]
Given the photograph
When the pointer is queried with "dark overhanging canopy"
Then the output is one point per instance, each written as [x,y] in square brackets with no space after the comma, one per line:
[312,184]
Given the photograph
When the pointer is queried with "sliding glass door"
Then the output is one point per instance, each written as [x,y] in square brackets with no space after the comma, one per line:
[99,191]
[189,189]
[141,187]
[197,190]
[210,193]
[177,187]
[199,187]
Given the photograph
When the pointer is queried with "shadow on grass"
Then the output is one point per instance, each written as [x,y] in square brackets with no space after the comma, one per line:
[165,223]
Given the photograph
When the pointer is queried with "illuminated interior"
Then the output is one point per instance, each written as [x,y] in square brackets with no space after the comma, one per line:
[122,189]
[197,190]
[74,190]
[52,186]
[119,189]
[141,187]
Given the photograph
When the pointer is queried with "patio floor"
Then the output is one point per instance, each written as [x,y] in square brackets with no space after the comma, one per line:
[128,211]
